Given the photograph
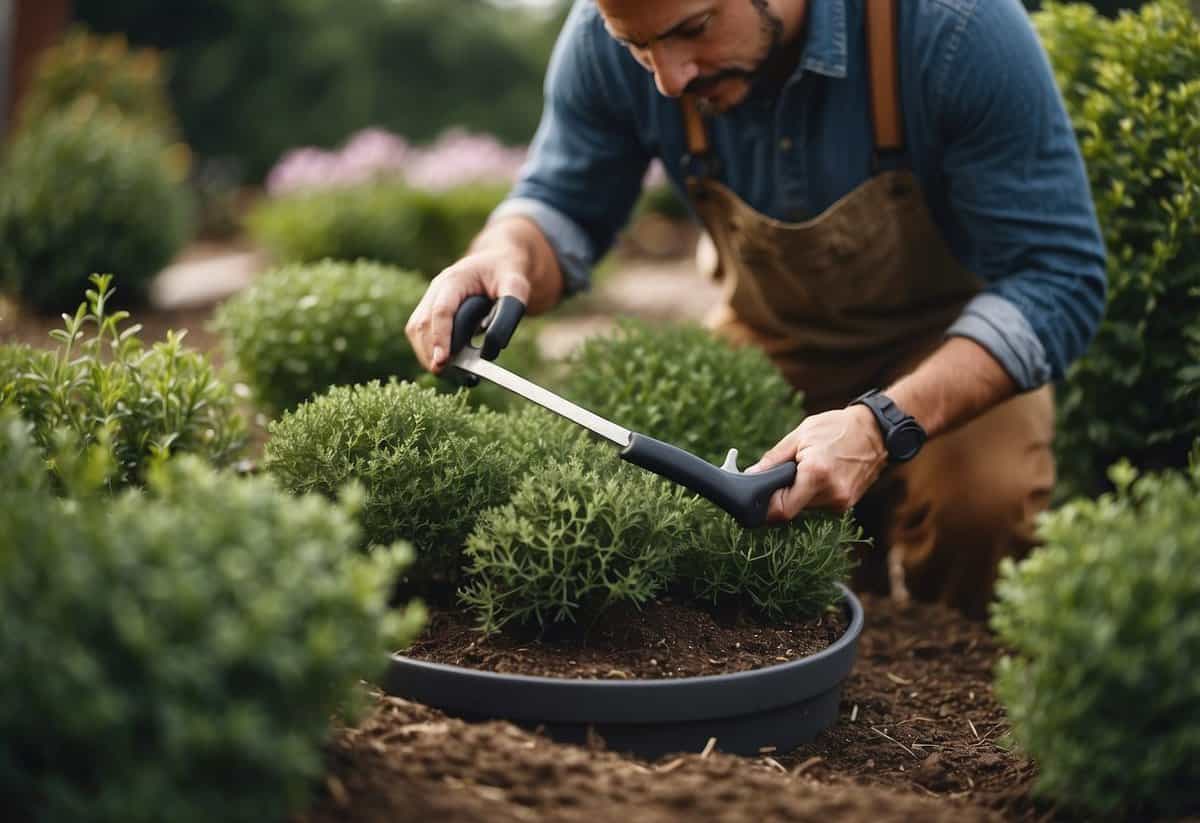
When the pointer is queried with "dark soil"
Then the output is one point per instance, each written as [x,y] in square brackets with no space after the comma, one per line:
[667,638]
[919,738]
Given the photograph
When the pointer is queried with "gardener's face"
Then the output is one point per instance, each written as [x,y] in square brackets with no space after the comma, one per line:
[714,49]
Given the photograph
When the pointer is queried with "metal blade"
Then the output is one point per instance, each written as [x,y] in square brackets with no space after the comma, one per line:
[469,360]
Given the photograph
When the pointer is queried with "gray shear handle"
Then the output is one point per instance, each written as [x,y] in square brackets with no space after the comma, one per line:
[745,496]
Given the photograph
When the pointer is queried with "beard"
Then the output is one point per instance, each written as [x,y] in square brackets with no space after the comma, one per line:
[774,56]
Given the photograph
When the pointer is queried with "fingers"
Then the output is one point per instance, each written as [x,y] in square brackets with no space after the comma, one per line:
[429,329]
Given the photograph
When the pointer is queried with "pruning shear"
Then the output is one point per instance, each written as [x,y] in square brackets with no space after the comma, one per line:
[744,496]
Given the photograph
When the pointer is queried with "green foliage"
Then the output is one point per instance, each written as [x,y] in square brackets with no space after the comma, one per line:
[1104,620]
[784,572]
[420,456]
[300,329]
[387,222]
[682,385]
[575,539]
[102,386]
[324,70]
[1132,89]
[176,654]
[130,81]
[85,191]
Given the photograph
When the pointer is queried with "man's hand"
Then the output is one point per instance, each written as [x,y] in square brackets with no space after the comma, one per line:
[491,273]
[509,258]
[838,455]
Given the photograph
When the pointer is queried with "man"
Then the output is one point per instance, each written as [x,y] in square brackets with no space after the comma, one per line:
[902,222]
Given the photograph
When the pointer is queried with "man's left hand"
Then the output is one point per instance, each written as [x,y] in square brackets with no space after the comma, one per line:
[838,455]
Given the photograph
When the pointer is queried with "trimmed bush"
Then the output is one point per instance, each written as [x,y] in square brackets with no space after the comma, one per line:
[85,192]
[575,539]
[101,385]
[784,573]
[103,67]
[683,385]
[388,222]
[1103,688]
[300,329]
[427,471]
[177,654]
[1131,87]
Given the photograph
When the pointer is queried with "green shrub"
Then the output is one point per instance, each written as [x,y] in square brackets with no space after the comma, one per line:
[300,329]
[575,539]
[87,192]
[784,573]
[105,68]
[682,385]
[427,471]
[1103,689]
[177,654]
[101,385]
[383,221]
[1131,87]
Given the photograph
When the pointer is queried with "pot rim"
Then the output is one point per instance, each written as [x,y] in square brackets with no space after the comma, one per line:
[642,700]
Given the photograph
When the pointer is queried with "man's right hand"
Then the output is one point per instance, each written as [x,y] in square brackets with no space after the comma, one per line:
[490,272]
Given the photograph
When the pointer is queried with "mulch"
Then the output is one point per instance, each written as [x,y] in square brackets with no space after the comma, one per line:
[920,737]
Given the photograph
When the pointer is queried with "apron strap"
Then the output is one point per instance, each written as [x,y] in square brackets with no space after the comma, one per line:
[698,162]
[887,117]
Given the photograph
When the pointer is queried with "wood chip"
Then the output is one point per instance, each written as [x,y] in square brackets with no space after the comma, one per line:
[337,790]
[709,746]
[766,749]
[670,766]
[895,678]
[973,729]
[806,765]
[775,764]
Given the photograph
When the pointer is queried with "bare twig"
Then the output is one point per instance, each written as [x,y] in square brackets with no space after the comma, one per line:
[806,765]
[887,736]
[708,747]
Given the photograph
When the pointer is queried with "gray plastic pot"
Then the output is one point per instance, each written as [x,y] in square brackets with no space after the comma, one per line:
[782,705]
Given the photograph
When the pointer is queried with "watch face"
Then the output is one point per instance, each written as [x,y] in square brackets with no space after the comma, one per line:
[905,442]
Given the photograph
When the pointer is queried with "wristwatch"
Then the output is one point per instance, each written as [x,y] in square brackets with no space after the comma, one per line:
[903,436]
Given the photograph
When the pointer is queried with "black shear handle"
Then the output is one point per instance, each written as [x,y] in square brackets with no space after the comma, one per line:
[471,315]
[745,496]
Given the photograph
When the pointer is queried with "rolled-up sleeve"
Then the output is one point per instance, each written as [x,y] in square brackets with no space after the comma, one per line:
[586,163]
[1018,186]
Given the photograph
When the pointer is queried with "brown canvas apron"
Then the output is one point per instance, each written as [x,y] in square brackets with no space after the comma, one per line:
[854,299]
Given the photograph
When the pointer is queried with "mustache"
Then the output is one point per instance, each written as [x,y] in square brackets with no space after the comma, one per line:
[704,84]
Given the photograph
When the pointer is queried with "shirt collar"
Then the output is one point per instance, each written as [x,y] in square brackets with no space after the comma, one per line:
[825,49]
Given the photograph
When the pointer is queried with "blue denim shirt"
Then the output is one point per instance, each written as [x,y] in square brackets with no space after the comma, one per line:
[988,137]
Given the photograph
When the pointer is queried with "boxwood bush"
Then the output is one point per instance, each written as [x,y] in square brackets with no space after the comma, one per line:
[683,385]
[86,191]
[101,385]
[1103,686]
[303,328]
[427,470]
[177,654]
[1131,87]
[575,539]
[104,67]
[782,573]
[300,329]
[385,221]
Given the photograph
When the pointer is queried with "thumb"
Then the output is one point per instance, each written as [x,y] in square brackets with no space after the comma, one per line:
[779,454]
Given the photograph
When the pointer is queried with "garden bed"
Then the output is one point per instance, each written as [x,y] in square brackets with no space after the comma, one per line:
[918,738]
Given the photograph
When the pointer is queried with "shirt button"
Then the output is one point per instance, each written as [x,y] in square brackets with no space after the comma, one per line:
[785,144]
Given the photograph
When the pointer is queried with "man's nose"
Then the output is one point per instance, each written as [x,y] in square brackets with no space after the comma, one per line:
[673,70]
